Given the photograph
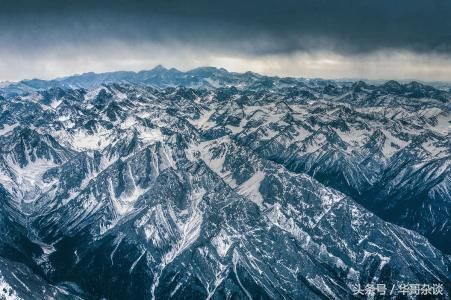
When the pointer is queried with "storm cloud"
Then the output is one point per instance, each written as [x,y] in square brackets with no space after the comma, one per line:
[53,34]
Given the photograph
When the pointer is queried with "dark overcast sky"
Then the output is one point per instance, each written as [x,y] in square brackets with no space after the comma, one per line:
[320,38]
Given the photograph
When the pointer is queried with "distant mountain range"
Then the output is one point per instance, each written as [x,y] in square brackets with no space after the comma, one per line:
[160,77]
[209,184]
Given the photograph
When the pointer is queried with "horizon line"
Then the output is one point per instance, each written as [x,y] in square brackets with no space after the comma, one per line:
[161,66]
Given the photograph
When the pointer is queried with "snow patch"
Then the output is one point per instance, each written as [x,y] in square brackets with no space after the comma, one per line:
[84,141]
[203,122]
[222,243]
[27,182]
[6,290]
[92,94]
[124,203]
[392,144]
[151,136]
[8,128]
[56,103]
[251,187]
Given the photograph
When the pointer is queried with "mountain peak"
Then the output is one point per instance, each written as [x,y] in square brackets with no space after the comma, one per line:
[393,85]
[360,85]
[159,68]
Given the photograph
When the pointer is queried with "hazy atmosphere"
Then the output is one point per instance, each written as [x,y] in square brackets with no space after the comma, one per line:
[402,39]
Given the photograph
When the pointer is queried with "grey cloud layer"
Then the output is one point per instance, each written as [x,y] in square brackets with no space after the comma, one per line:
[251,27]
[313,38]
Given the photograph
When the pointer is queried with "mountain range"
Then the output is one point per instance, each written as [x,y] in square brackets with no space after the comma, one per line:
[209,184]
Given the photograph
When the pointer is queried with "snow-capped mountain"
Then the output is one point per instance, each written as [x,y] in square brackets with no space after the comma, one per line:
[208,184]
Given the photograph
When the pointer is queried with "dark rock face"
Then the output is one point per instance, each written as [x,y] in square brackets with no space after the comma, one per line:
[217,185]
